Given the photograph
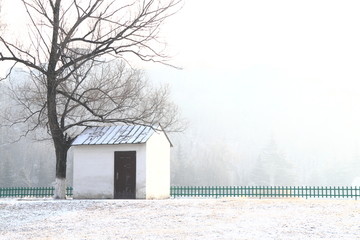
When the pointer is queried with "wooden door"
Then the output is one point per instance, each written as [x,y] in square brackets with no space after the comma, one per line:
[125,175]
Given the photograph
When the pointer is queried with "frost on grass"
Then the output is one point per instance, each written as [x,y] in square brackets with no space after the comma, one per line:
[180,219]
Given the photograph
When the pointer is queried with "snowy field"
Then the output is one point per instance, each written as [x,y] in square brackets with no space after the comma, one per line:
[234,218]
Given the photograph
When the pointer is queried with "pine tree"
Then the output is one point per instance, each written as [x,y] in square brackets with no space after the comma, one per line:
[272,168]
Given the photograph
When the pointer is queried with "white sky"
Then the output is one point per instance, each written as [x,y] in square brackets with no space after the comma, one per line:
[321,36]
[285,68]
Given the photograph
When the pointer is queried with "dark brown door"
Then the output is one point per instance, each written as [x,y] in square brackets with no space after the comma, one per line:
[125,175]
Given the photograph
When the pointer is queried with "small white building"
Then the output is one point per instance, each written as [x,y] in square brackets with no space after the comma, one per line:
[122,162]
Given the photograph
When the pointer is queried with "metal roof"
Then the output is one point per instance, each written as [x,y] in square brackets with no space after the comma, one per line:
[121,134]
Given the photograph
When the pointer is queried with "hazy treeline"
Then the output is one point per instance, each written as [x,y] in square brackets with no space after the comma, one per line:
[24,160]
[193,162]
[200,156]
[199,161]
[27,162]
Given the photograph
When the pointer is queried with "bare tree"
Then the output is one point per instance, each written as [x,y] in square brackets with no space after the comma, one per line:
[97,93]
[66,40]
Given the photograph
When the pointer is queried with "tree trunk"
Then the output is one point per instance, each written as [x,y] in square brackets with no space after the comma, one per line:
[60,144]
[59,140]
[57,134]
[61,160]
[61,147]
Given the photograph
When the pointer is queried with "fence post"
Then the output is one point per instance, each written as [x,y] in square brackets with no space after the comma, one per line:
[326,192]
[260,192]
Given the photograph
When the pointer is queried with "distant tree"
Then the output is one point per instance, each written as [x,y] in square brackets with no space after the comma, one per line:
[316,177]
[67,39]
[6,171]
[259,174]
[178,161]
[272,168]
[339,172]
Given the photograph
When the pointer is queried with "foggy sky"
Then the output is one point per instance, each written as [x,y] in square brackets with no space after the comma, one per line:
[260,70]
[256,70]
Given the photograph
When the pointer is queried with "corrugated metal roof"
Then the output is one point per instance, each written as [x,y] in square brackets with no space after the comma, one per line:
[121,134]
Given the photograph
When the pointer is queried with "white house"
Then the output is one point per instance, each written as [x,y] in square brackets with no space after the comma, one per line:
[122,162]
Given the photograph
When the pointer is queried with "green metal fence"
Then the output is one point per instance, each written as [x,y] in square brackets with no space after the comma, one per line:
[264,192]
[213,192]
[20,192]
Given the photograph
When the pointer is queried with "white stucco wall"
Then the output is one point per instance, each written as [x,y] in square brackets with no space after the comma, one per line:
[93,174]
[158,167]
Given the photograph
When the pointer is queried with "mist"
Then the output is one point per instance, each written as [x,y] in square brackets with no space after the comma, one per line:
[255,127]
[260,122]
[270,91]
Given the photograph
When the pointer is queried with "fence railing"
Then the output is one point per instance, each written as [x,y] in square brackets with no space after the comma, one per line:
[20,192]
[264,192]
[212,192]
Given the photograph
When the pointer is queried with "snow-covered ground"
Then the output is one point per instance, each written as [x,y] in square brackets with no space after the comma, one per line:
[231,218]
